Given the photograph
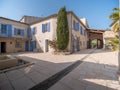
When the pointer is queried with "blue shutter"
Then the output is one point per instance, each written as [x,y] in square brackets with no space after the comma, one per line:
[26,46]
[74,24]
[22,32]
[9,27]
[81,30]
[43,28]
[79,27]
[48,27]
[34,44]
[85,33]
[28,32]
[15,31]
[31,46]
[34,30]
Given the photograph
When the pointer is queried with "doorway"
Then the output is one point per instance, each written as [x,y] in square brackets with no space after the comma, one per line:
[46,45]
[3,47]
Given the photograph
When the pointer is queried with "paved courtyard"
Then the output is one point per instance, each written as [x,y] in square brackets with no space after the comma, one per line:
[98,71]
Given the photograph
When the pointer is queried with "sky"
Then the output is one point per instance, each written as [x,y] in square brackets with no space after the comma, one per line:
[96,11]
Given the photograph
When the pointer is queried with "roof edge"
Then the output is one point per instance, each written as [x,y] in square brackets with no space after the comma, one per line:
[13,20]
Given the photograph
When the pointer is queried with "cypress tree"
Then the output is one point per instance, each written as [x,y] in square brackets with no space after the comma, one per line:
[62,29]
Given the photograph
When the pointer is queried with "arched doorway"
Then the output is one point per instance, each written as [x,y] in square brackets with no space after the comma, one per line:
[96,43]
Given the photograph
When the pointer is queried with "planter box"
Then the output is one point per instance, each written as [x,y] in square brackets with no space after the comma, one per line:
[8,63]
[61,53]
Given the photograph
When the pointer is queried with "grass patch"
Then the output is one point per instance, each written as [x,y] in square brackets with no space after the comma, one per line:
[2,57]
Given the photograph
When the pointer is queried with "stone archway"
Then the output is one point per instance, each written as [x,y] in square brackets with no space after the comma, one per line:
[95,34]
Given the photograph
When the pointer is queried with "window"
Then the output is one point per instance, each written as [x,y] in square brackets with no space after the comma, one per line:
[3,29]
[81,30]
[18,45]
[76,25]
[18,32]
[46,27]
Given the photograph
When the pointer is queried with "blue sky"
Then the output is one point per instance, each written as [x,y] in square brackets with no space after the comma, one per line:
[96,11]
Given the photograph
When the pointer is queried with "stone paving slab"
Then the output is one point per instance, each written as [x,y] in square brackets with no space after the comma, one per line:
[23,83]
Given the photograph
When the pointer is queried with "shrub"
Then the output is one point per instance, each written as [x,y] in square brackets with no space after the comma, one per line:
[53,44]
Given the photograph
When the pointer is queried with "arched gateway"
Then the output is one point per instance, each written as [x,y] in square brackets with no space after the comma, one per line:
[95,35]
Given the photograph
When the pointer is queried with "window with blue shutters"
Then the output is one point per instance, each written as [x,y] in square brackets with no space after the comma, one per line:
[76,25]
[18,32]
[46,27]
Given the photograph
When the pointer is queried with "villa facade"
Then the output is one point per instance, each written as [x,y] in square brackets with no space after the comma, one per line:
[33,34]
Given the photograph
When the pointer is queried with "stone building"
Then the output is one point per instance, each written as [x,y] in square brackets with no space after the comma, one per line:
[34,33]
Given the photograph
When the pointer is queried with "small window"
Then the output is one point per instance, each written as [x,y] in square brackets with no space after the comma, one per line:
[18,32]
[18,45]
[45,26]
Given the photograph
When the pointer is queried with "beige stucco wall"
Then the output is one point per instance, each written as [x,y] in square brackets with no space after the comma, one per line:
[40,37]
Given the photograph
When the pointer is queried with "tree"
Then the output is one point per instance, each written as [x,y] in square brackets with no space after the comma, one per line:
[115,17]
[114,43]
[62,29]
